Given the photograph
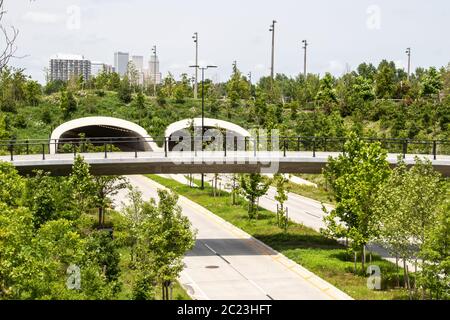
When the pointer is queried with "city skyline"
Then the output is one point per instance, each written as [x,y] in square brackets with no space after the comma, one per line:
[339,38]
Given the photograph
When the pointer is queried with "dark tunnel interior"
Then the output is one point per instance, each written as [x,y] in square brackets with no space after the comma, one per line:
[123,139]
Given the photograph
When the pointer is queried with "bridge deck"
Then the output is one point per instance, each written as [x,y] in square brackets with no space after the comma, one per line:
[121,163]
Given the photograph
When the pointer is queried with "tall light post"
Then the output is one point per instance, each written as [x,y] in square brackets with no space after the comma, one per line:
[305,47]
[272,65]
[203,69]
[195,37]
[154,71]
[408,52]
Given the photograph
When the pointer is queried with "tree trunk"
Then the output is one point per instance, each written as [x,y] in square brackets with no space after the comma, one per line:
[398,277]
[363,257]
[100,216]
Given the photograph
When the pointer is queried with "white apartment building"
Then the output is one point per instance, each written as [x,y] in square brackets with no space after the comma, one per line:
[66,66]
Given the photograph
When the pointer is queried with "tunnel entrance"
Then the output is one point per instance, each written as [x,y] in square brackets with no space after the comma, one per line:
[99,135]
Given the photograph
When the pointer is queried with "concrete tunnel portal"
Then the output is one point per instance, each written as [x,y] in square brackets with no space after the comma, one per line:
[125,135]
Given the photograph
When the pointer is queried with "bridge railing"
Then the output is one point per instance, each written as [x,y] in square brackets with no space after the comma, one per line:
[137,145]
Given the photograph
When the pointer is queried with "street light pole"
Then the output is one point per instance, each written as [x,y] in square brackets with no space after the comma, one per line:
[195,37]
[305,46]
[272,29]
[203,108]
[408,52]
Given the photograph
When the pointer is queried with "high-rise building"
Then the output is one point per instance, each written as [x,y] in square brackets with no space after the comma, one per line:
[98,67]
[153,74]
[121,60]
[66,66]
[138,62]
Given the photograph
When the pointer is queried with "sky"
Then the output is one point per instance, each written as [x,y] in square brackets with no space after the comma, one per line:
[341,34]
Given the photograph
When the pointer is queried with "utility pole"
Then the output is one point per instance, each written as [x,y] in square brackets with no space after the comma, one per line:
[408,52]
[195,37]
[154,71]
[272,70]
[305,46]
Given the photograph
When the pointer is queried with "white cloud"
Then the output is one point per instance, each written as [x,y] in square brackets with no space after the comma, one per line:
[42,17]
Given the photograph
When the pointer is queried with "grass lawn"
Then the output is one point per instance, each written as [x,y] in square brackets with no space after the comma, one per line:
[320,193]
[325,257]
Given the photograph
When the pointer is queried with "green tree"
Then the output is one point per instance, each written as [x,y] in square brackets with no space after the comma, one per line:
[33,92]
[407,207]
[68,103]
[385,80]
[125,90]
[431,83]
[105,187]
[355,178]
[254,186]
[164,238]
[435,252]
[81,183]
[326,96]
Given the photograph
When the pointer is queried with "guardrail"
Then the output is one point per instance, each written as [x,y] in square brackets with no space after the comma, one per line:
[314,145]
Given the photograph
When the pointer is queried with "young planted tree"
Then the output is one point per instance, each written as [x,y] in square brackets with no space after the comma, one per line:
[435,252]
[355,179]
[105,187]
[81,183]
[165,236]
[254,186]
[408,207]
[281,183]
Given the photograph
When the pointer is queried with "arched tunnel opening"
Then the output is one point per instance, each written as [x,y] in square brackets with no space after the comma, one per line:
[229,139]
[99,135]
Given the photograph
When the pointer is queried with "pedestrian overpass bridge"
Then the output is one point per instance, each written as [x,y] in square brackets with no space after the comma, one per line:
[118,147]
[130,163]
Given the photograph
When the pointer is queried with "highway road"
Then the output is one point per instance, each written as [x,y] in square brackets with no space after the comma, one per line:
[226,263]
[301,210]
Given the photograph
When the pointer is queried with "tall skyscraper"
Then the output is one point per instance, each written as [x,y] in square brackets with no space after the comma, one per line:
[153,74]
[66,66]
[138,62]
[121,60]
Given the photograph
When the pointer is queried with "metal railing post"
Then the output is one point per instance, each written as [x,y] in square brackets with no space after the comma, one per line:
[136,148]
[225,145]
[43,151]
[314,147]
[28,147]
[105,146]
[11,149]
[284,148]
[434,150]
[245,144]
[298,144]
[165,147]
[235,144]
[405,148]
